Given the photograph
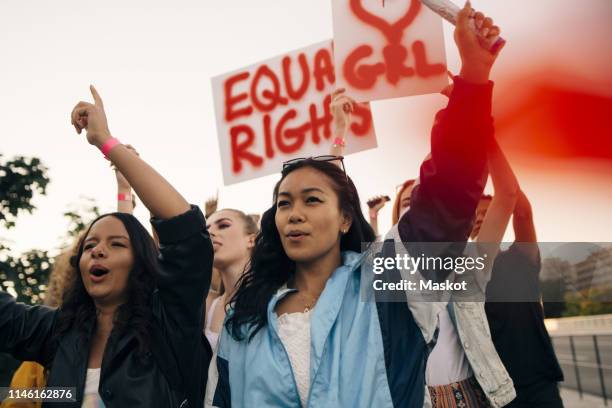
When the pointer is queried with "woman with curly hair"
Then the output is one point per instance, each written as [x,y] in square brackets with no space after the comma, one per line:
[31,374]
[129,331]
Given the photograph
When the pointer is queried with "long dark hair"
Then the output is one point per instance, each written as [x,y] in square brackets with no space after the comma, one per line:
[270,267]
[78,307]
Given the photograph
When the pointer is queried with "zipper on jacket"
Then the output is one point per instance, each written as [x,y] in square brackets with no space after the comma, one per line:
[295,387]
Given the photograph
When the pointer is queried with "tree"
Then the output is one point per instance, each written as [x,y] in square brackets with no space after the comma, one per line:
[26,274]
[79,218]
[587,303]
[20,178]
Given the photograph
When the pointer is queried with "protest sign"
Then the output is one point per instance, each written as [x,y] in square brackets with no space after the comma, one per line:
[278,110]
[388,48]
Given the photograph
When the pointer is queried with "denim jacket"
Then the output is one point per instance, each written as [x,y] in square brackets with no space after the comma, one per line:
[472,327]
[467,313]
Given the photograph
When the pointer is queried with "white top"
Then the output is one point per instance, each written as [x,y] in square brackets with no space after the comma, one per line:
[91,398]
[294,332]
[213,337]
[447,362]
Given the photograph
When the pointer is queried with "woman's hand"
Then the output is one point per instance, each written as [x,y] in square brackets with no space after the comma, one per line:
[448,89]
[375,204]
[91,117]
[473,44]
[210,206]
[160,198]
[341,107]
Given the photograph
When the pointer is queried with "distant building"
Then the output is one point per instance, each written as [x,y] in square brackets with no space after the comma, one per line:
[595,272]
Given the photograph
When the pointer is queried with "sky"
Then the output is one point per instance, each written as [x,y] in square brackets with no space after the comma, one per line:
[152,62]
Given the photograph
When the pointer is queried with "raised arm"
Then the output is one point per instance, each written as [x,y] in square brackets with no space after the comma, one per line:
[155,192]
[375,204]
[504,199]
[186,251]
[126,200]
[524,229]
[498,214]
[341,107]
[210,206]
[452,180]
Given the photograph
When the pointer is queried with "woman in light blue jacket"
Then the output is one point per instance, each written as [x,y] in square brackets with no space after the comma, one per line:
[301,331]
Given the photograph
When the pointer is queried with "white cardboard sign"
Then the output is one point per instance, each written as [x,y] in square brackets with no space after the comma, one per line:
[388,48]
[277,110]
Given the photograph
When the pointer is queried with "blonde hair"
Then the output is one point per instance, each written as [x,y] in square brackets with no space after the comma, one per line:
[62,275]
[395,214]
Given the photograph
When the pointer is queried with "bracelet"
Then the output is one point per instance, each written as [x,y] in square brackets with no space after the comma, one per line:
[124,197]
[109,145]
[339,142]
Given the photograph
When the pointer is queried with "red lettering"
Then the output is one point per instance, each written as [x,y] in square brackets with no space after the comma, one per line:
[393,32]
[363,76]
[296,94]
[423,68]
[364,113]
[323,67]
[297,134]
[267,124]
[231,100]
[395,55]
[273,96]
[324,121]
[240,149]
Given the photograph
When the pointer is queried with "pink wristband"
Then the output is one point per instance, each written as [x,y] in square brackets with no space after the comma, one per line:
[124,196]
[109,145]
[339,142]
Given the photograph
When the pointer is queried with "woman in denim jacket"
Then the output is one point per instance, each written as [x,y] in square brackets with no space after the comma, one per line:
[464,366]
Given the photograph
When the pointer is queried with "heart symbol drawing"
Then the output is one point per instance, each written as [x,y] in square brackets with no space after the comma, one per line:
[393,32]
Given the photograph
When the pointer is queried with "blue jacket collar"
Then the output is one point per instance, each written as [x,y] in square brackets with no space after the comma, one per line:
[327,308]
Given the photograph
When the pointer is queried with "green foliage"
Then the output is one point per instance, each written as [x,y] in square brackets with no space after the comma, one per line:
[20,178]
[26,275]
[80,218]
[587,302]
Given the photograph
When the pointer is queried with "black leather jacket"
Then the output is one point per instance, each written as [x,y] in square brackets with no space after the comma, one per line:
[165,380]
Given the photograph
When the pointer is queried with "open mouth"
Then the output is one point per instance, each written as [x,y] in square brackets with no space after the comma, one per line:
[98,271]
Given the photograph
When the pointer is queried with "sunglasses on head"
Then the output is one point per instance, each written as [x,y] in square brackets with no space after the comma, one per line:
[324,158]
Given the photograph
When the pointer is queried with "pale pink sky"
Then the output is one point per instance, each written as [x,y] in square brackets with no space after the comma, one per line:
[152,62]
